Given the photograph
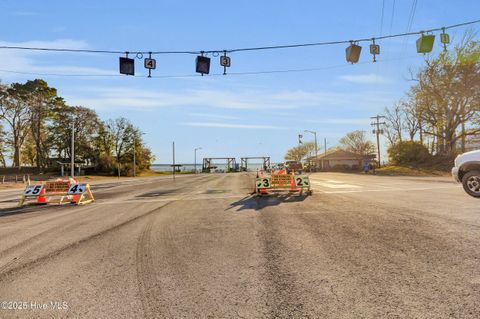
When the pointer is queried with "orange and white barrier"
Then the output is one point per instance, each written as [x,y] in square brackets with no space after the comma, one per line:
[282,182]
[56,191]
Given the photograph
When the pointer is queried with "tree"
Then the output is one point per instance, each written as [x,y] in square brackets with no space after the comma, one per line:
[394,121]
[448,95]
[40,98]
[300,152]
[357,142]
[121,133]
[408,153]
[86,127]
[411,117]
[15,111]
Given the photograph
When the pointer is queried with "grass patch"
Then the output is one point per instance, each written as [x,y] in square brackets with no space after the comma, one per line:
[409,171]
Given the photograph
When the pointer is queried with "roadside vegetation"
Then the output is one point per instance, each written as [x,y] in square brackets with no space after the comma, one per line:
[439,115]
[36,130]
[437,119]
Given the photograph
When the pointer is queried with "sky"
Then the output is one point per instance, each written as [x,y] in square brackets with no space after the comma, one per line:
[233,115]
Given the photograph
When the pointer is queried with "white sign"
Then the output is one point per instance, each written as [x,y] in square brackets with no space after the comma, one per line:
[77,189]
[150,63]
[33,190]
[302,181]
[225,61]
[263,182]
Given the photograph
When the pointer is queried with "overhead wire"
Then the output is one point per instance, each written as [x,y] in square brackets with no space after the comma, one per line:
[299,70]
[272,47]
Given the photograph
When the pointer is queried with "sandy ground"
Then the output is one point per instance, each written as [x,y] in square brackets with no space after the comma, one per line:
[202,247]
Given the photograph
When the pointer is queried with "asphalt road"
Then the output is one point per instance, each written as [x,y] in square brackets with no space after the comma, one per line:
[201,247]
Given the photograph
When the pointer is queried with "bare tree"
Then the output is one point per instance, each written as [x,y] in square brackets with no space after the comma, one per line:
[411,117]
[394,123]
[358,143]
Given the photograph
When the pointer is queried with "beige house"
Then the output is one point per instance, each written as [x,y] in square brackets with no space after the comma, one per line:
[338,158]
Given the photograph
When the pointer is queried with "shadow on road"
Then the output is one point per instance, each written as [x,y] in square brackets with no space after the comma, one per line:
[259,202]
[4,212]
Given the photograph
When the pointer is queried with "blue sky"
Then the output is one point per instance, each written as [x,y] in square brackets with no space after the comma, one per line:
[232,115]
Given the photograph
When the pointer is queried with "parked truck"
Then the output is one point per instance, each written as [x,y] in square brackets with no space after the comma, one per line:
[467,172]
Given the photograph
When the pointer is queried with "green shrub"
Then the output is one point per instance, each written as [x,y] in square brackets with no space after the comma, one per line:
[409,153]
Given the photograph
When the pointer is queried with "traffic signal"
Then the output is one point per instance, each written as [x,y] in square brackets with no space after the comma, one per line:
[202,64]
[425,43]
[353,53]
[127,66]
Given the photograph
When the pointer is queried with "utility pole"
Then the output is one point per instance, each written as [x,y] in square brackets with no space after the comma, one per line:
[195,157]
[173,146]
[134,157]
[376,124]
[324,152]
[316,147]
[72,159]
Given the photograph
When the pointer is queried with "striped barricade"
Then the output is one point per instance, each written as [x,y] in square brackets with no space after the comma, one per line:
[57,191]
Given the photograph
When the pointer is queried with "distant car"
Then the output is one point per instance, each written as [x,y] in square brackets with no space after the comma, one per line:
[467,172]
[294,166]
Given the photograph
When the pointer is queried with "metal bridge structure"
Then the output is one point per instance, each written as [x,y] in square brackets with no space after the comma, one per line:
[244,162]
[208,163]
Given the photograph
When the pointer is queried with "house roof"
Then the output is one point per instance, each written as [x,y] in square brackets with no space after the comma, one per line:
[339,154]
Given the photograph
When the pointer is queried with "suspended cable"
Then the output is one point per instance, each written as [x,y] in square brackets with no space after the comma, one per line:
[273,47]
[381,19]
[299,70]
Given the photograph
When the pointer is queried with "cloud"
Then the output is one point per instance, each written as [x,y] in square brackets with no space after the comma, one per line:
[137,98]
[18,63]
[214,116]
[229,125]
[24,13]
[341,121]
[365,79]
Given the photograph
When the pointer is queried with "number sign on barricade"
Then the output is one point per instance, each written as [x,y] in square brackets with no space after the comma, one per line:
[33,190]
[56,191]
[263,182]
[81,193]
[302,181]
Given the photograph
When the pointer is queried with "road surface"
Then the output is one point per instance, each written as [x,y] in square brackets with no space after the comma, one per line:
[201,247]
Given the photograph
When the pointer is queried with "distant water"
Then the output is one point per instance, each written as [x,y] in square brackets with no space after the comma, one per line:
[191,167]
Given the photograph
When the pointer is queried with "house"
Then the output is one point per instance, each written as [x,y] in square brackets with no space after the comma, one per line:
[337,158]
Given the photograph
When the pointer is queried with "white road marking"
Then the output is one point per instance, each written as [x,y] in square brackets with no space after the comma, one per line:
[384,190]
[334,185]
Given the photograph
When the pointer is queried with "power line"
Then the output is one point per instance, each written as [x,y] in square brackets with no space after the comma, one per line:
[299,70]
[273,47]
[381,19]
[393,15]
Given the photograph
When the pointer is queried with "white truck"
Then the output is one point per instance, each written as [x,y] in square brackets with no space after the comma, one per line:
[467,172]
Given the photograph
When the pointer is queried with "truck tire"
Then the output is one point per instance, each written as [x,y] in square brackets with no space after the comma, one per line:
[471,183]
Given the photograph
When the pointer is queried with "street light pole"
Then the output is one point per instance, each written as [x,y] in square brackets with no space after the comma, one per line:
[316,147]
[195,157]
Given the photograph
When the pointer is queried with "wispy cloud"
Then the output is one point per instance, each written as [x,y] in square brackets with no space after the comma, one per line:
[341,121]
[24,13]
[365,78]
[41,62]
[214,116]
[229,125]
[136,98]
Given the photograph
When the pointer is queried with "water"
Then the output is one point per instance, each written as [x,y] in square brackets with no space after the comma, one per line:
[191,167]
